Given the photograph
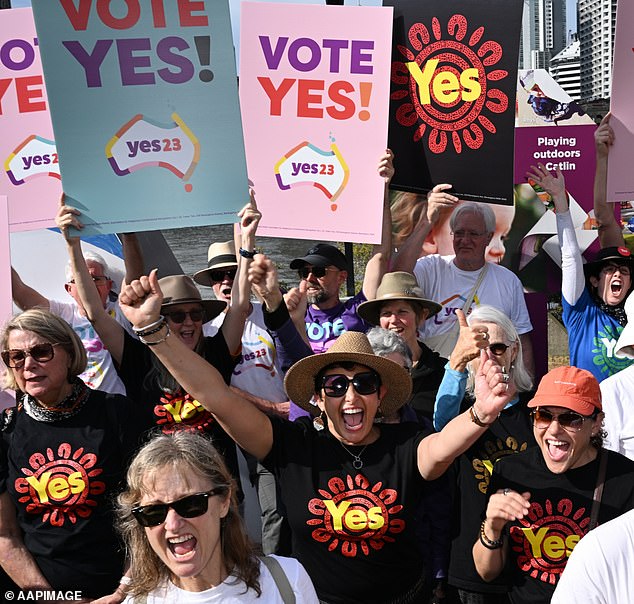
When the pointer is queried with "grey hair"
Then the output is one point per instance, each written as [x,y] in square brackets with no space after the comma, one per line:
[385,341]
[480,209]
[489,314]
[88,255]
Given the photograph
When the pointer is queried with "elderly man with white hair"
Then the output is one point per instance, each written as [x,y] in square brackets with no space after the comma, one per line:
[618,392]
[465,279]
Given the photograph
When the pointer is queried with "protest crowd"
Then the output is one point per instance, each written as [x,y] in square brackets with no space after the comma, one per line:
[402,442]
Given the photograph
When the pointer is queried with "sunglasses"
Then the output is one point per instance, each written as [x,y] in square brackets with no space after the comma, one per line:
[179,315]
[317,271]
[336,385]
[191,506]
[569,421]
[15,358]
[219,275]
[498,348]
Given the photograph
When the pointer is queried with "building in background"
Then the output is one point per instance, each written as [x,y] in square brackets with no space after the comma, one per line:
[543,32]
[565,68]
[596,21]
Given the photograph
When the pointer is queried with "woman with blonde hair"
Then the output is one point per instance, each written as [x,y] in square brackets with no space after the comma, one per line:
[185,538]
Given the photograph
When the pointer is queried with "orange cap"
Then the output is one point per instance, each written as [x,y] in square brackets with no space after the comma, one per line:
[569,387]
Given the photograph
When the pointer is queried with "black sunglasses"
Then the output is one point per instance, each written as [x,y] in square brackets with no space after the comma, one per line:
[317,271]
[191,506]
[219,275]
[569,420]
[498,348]
[15,358]
[178,316]
[336,385]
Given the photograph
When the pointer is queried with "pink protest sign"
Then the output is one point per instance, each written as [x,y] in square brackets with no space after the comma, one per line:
[6,304]
[29,169]
[620,174]
[314,93]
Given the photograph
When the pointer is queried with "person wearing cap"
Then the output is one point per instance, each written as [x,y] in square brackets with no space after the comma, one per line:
[592,295]
[618,392]
[324,269]
[464,279]
[401,307]
[259,377]
[490,329]
[168,405]
[350,486]
[542,501]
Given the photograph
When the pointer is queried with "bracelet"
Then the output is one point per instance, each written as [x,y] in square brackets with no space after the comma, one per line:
[475,419]
[247,254]
[149,332]
[490,543]
[167,333]
[125,580]
[141,330]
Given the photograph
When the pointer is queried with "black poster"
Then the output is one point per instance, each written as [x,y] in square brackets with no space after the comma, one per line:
[452,108]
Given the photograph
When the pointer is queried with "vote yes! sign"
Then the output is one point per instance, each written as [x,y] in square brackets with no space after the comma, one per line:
[144,105]
[314,85]
[29,166]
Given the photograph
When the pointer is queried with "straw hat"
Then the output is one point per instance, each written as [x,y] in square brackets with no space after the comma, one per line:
[351,347]
[396,286]
[180,289]
[219,255]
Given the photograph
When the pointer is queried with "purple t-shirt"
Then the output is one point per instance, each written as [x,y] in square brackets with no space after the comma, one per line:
[323,327]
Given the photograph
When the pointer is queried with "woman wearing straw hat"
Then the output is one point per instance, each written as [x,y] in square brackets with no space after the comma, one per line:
[350,489]
[401,307]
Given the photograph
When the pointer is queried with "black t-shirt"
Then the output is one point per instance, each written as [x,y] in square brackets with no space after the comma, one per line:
[511,433]
[353,530]
[61,477]
[169,412]
[427,375]
[541,543]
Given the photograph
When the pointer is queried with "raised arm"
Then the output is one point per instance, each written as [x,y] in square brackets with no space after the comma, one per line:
[380,259]
[238,311]
[24,295]
[452,388]
[250,428]
[610,232]
[493,391]
[410,250]
[132,256]
[109,331]
[573,281]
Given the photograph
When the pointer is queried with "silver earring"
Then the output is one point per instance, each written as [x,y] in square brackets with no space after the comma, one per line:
[318,422]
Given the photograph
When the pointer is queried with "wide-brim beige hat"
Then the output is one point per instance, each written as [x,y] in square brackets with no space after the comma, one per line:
[351,347]
[219,255]
[180,289]
[396,286]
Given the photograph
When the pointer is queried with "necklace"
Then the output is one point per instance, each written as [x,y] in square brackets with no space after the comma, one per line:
[357,463]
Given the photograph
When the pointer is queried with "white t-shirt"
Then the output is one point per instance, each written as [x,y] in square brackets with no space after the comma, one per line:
[618,406]
[100,372]
[443,282]
[232,591]
[599,571]
[257,371]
